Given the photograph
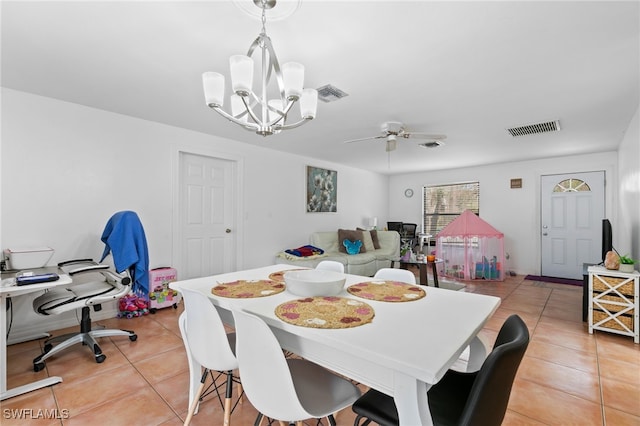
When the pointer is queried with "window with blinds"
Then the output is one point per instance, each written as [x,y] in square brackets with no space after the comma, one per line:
[442,204]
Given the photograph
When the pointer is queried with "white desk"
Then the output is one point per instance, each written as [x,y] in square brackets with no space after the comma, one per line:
[11,290]
[407,348]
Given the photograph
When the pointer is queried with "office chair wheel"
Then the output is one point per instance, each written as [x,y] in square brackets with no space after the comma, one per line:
[38,366]
[133,337]
[100,358]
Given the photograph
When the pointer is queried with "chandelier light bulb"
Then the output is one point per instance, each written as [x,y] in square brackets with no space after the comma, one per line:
[293,76]
[309,103]
[213,83]
[241,67]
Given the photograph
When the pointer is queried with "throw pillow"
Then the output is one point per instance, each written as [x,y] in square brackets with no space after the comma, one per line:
[351,235]
[353,247]
[374,238]
[367,241]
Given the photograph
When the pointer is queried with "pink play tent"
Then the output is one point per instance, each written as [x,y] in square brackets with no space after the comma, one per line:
[471,249]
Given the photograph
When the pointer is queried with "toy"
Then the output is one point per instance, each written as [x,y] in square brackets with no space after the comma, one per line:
[132,306]
[160,295]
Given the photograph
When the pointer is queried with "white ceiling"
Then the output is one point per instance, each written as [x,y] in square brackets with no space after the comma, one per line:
[466,69]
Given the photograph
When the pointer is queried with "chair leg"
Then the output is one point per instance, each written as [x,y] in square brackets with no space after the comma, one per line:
[331,420]
[196,398]
[227,399]
[357,421]
[258,421]
[241,395]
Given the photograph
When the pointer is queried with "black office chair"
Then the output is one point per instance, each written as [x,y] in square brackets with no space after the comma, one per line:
[478,398]
[409,234]
[125,239]
[109,286]
[395,226]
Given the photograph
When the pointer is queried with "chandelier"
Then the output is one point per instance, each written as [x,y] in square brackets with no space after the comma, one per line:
[256,111]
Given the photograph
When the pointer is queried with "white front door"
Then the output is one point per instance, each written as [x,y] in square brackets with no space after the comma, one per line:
[207,215]
[572,213]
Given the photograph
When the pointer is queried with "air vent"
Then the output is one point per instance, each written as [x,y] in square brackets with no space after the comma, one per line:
[431,144]
[330,93]
[532,129]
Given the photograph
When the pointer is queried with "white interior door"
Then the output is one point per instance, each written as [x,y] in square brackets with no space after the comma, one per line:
[207,215]
[572,213]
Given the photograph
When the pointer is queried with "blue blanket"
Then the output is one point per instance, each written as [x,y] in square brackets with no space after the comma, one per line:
[125,239]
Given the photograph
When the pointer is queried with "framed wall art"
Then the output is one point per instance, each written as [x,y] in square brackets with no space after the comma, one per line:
[322,190]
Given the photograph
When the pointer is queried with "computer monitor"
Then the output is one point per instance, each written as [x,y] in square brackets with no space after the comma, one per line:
[607,238]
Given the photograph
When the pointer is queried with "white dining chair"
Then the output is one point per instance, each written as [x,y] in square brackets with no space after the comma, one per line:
[330,265]
[393,274]
[289,390]
[210,346]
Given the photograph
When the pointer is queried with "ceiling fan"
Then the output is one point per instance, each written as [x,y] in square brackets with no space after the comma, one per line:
[392,130]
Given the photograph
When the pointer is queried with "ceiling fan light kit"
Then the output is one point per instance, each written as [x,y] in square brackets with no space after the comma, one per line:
[272,114]
[432,144]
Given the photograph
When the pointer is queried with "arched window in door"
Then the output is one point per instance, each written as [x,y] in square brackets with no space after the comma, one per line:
[572,185]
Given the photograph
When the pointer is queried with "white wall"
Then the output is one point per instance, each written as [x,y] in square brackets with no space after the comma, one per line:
[67,168]
[515,212]
[627,230]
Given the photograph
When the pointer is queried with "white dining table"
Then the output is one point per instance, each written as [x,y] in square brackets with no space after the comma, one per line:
[405,349]
[9,289]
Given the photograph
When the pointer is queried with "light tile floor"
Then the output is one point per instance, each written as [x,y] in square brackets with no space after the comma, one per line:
[567,377]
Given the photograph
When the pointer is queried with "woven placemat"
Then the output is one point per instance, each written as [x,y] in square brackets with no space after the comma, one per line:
[325,312]
[387,291]
[243,289]
[279,276]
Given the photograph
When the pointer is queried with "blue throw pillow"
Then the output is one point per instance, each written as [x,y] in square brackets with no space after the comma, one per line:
[353,247]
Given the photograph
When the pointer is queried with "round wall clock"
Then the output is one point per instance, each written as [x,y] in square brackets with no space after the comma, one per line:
[408,193]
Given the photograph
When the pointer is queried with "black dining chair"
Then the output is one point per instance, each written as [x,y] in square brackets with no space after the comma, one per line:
[478,398]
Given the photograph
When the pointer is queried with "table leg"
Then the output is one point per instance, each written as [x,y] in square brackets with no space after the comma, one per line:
[434,270]
[410,396]
[10,393]
[477,354]
[423,274]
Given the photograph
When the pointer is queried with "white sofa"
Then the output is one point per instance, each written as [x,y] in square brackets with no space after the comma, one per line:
[366,263]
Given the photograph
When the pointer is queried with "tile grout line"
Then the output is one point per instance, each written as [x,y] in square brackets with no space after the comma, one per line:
[604,418]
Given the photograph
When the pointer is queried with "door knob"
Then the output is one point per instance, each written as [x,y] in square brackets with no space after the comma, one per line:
[228,231]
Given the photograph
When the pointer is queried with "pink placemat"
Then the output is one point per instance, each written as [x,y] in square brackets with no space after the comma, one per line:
[325,312]
[279,276]
[387,291]
[243,289]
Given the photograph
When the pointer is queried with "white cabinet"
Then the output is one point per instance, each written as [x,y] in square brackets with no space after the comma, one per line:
[613,301]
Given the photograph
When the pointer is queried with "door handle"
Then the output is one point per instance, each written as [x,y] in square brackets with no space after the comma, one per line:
[544,233]
[228,231]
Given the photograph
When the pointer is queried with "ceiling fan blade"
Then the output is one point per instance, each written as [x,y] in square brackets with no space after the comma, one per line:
[365,139]
[410,135]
